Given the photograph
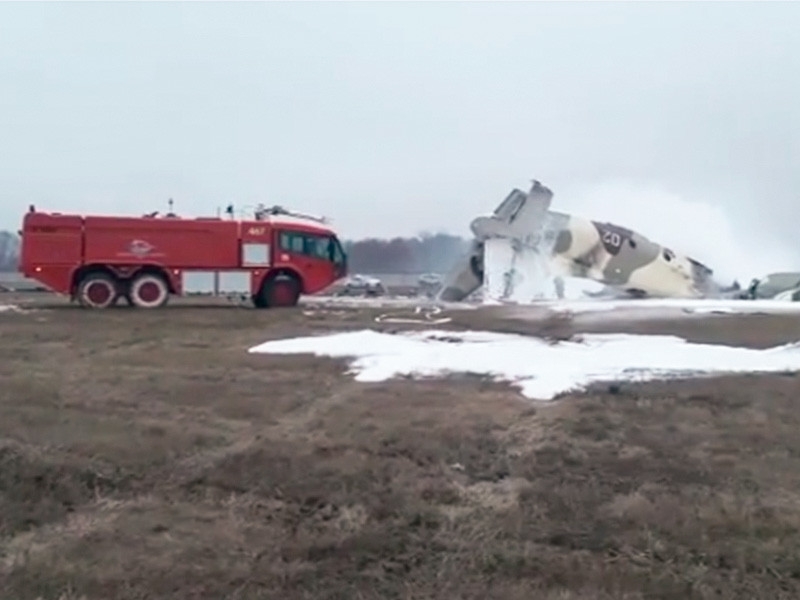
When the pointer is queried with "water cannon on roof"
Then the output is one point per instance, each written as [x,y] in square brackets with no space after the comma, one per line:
[262,213]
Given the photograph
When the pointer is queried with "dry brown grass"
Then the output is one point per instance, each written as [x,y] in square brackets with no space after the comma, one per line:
[146,455]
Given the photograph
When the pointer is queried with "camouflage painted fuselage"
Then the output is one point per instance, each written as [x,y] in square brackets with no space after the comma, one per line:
[578,247]
[623,258]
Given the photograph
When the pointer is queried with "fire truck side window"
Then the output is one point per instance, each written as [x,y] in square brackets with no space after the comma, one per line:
[310,245]
[318,246]
[293,242]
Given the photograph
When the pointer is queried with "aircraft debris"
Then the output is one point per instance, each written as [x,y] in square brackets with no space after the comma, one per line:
[775,286]
[522,251]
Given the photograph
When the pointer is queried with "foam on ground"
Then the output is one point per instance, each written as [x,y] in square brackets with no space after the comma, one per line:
[699,306]
[541,369]
[576,304]
[403,302]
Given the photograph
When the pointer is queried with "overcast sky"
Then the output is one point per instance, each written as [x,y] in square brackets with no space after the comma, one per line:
[393,118]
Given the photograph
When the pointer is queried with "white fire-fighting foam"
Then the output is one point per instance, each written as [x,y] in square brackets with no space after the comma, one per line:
[540,369]
[686,305]
[528,275]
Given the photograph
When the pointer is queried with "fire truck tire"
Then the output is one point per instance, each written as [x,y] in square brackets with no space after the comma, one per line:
[148,291]
[281,291]
[98,290]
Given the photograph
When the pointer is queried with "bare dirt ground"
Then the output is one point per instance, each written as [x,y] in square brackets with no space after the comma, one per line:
[147,455]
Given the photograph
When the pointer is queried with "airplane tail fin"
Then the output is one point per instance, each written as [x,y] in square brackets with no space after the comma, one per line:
[519,216]
[519,219]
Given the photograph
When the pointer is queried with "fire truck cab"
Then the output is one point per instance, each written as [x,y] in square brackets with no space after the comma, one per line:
[272,258]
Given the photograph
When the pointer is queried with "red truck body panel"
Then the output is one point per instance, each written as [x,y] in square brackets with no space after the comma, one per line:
[210,255]
[178,243]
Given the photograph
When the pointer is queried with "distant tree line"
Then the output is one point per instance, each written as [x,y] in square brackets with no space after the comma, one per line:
[426,253]
[421,254]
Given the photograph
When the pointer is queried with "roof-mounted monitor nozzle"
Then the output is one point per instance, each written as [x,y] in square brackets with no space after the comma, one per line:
[263,212]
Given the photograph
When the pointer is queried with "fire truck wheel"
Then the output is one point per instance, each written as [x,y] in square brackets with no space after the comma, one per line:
[149,291]
[97,290]
[282,291]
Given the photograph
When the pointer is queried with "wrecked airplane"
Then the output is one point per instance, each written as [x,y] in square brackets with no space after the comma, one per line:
[523,251]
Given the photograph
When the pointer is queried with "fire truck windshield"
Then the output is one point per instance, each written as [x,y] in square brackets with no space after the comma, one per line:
[335,251]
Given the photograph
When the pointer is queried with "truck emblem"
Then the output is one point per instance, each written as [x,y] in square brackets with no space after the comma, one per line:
[139,248]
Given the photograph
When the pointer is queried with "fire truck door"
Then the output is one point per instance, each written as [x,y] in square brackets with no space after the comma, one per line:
[309,254]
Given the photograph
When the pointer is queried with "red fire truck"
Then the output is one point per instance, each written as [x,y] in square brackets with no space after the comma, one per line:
[270,258]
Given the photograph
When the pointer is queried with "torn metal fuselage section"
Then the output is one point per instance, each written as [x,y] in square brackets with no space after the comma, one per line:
[521,252]
[775,286]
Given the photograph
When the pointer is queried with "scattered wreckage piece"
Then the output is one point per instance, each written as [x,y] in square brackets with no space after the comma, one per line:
[775,286]
[426,315]
[524,247]
[429,284]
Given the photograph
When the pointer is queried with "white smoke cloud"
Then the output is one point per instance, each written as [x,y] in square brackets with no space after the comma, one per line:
[701,229]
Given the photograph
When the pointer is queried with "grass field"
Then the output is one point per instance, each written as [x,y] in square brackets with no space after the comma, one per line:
[147,455]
